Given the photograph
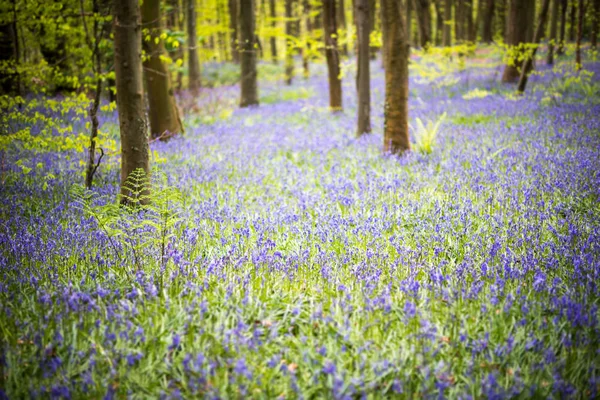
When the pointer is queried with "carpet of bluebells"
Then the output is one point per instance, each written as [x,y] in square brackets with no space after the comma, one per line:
[307,264]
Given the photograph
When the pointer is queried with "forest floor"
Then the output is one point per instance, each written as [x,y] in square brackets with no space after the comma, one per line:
[284,257]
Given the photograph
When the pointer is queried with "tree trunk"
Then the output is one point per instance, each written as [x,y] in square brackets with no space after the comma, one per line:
[459,20]
[174,24]
[289,44]
[395,137]
[332,55]
[501,20]
[439,22]
[530,20]
[488,33]
[409,12]
[539,31]
[341,24]
[477,22]
[595,22]
[273,15]
[423,21]
[249,88]
[194,82]
[164,116]
[581,10]
[8,55]
[469,20]
[127,30]
[363,77]
[233,28]
[563,26]
[447,40]
[372,15]
[307,37]
[552,38]
[518,18]
[573,20]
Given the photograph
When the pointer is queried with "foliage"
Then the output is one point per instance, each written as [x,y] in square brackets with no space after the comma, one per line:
[425,134]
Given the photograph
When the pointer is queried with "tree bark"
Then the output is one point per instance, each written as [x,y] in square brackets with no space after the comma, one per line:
[595,22]
[307,37]
[409,12]
[332,55]
[423,21]
[194,81]
[8,55]
[273,12]
[581,10]
[439,22]
[164,115]
[459,20]
[488,33]
[530,20]
[127,30]
[553,27]
[341,24]
[518,18]
[396,138]
[249,87]
[563,26]
[289,44]
[573,20]
[447,39]
[364,75]
[233,28]
[174,24]
[539,31]
[469,26]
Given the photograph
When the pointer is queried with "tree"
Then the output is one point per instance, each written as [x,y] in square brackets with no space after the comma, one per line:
[194,81]
[307,37]
[273,12]
[595,22]
[174,24]
[289,42]
[423,21]
[9,54]
[572,16]
[332,55]
[233,28]
[341,23]
[363,77]
[488,18]
[447,37]
[528,64]
[127,31]
[578,64]
[552,38]
[439,22]
[395,136]
[518,19]
[164,115]
[249,87]
[563,26]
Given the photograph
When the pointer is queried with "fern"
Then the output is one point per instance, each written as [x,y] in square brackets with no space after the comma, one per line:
[425,135]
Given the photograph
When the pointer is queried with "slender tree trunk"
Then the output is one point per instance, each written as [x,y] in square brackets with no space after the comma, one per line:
[364,75]
[423,21]
[341,24]
[447,40]
[553,27]
[595,22]
[501,19]
[372,15]
[289,44]
[409,12]
[249,87]
[530,20]
[563,25]
[581,10]
[477,22]
[439,22]
[469,20]
[233,28]
[164,115]
[307,38]
[518,19]
[459,20]
[8,55]
[332,55]
[573,20]
[127,30]
[273,12]
[539,31]
[193,63]
[488,34]
[395,137]
[174,24]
